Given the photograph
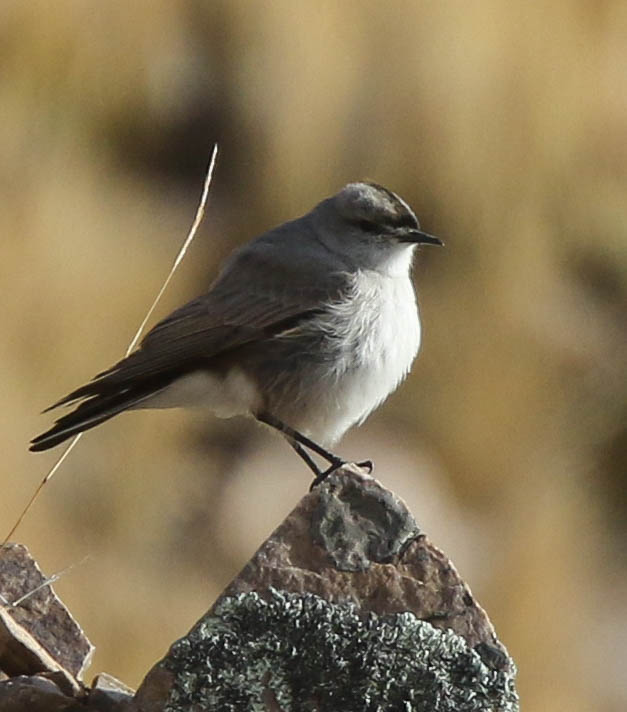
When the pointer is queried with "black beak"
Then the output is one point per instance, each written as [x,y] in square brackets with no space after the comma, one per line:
[420,238]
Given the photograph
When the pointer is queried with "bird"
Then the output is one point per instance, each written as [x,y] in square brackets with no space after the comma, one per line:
[307,328]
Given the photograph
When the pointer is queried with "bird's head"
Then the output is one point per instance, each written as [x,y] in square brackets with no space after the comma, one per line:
[372,226]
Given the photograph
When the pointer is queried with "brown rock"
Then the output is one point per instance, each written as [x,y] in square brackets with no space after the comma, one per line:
[346,601]
[39,628]
[354,541]
[108,683]
[109,694]
[33,678]
[20,653]
[35,694]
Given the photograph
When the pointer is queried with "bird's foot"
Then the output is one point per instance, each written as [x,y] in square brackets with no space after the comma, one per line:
[335,465]
[322,476]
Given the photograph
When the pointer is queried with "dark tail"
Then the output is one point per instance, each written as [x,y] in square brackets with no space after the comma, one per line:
[98,408]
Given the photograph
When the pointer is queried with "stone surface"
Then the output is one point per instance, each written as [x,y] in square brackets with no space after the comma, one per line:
[347,606]
[35,694]
[45,692]
[399,573]
[358,524]
[311,654]
[38,637]
[108,683]
[109,694]
[21,653]
[39,628]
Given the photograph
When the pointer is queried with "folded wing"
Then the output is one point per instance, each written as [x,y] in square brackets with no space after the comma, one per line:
[257,296]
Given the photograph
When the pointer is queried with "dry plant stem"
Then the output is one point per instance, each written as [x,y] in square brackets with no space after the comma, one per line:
[181,254]
[200,213]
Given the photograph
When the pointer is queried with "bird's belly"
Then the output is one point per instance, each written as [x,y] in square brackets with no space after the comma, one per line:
[381,343]
[320,385]
[226,395]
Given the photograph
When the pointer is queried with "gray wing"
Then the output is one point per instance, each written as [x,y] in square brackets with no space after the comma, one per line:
[276,282]
[260,293]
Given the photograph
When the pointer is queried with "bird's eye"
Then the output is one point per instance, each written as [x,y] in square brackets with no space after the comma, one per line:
[368,226]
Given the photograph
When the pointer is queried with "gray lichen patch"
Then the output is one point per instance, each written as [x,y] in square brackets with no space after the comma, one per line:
[306,654]
[358,523]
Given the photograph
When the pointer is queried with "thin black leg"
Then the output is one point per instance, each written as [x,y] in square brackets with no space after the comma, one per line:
[279,425]
[301,452]
[299,442]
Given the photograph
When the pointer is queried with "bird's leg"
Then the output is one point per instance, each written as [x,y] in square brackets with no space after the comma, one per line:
[319,475]
[301,440]
[301,452]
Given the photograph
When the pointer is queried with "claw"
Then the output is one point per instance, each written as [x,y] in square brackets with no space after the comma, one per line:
[319,479]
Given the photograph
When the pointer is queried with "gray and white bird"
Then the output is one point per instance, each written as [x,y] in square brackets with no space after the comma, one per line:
[308,328]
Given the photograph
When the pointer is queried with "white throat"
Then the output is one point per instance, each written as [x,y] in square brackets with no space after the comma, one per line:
[398,262]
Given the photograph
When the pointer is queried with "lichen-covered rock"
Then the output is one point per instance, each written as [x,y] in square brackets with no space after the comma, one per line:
[346,607]
[299,652]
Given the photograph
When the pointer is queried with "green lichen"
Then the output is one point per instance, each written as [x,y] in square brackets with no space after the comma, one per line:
[314,656]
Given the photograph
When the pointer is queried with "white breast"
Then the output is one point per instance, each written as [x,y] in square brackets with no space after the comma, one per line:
[376,336]
[390,341]
[382,336]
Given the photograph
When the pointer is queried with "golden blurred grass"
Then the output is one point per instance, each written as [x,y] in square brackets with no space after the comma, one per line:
[504,125]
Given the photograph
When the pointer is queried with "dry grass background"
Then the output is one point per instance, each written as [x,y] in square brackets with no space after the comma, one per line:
[503,124]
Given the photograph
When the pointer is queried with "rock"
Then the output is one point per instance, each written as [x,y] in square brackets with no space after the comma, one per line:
[108,693]
[347,606]
[34,694]
[38,637]
[37,632]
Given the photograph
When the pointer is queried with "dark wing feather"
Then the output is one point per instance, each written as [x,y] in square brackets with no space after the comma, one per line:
[256,296]
[251,301]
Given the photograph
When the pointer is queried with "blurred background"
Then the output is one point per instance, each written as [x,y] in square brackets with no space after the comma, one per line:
[503,124]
